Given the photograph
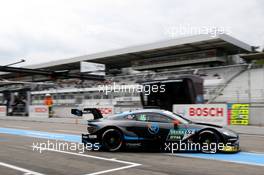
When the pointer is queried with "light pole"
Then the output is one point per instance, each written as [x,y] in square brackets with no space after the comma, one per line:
[18,62]
[249,83]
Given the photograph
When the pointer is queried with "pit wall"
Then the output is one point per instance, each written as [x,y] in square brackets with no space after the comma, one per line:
[35,111]
[256,115]
[220,114]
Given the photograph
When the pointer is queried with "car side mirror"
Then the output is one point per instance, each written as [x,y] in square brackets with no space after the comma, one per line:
[176,123]
[76,112]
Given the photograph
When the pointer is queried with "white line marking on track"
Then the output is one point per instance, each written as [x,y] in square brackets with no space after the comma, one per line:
[114,169]
[25,171]
[130,164]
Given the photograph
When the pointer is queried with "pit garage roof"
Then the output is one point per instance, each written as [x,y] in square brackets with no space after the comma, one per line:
[253,56]
[123,57]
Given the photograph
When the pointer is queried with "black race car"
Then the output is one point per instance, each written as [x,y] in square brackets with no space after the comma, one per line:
[154,128]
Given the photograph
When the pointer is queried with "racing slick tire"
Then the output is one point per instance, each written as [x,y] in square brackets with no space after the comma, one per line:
[112,140]
[211,139]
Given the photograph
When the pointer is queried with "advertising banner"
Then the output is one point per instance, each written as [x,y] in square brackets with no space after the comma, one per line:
[39,111]
[2,111]
[203,113]
[92,68]
[238,114]
[106,111]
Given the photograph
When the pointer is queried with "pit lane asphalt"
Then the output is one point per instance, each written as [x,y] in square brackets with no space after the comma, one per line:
[17,151]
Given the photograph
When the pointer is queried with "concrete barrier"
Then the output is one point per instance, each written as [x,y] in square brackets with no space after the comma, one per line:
[256,115]
[2,111]
[39,111]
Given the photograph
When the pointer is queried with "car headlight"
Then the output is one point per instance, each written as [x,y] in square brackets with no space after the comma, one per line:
[229,133]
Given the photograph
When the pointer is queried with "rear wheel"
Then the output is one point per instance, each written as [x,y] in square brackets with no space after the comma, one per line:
[112,140]
[209,142]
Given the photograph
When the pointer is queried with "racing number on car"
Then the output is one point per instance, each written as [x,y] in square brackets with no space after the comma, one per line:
[188,133]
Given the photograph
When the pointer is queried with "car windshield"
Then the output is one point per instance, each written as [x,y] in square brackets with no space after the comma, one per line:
[172,115]
[178,117]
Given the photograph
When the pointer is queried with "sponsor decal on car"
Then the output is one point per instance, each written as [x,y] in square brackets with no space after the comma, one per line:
[153,128]
[180,134]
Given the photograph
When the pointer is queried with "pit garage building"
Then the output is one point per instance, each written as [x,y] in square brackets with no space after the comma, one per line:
[216,59]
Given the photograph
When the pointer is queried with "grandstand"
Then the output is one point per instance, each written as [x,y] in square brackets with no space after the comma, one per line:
[222,61]
[247,87]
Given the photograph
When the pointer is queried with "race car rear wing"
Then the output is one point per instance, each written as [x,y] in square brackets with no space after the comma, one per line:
[96,112]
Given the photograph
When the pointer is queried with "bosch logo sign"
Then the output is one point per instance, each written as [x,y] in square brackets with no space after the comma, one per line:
[203,113]
[41,110]
[38,111]
[2,110]
[105,111]
[211,112]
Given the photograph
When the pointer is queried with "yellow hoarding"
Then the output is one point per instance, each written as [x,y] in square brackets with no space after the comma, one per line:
[238,114]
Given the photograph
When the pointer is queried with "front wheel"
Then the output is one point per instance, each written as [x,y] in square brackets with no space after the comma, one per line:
[112,140]
[208,142]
